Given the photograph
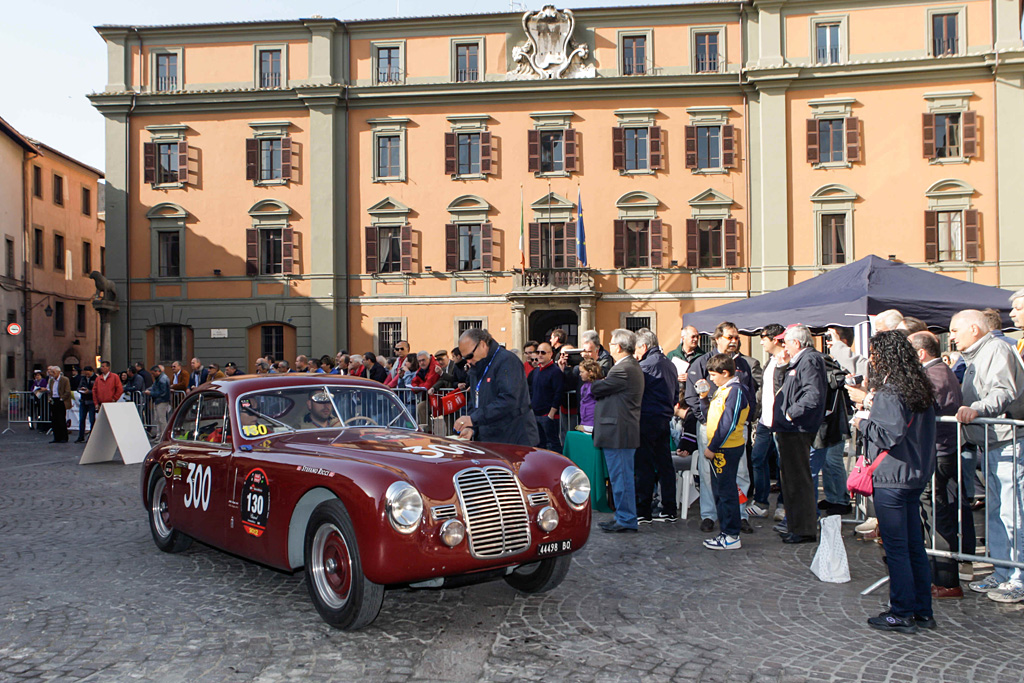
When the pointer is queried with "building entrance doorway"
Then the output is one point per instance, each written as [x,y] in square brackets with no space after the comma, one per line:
[543,322]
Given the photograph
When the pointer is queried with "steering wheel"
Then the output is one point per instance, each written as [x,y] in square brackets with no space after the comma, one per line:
[358,418]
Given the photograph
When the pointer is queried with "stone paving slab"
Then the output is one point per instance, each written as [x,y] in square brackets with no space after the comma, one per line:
[85,595]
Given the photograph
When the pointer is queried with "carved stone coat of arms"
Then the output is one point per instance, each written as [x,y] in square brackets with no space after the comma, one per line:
[549,50]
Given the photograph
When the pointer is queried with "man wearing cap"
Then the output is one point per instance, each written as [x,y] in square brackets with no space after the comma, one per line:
[321,412]
[230,369]
[451,376]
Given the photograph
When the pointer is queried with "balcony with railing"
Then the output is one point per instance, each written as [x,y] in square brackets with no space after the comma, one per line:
[828,55]
[166,83]
[553,281]
[467,75]
[270,79]
[389,76]
[707,63]
[945,46]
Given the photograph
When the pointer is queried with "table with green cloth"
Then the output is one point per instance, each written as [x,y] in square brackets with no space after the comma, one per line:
[579,447]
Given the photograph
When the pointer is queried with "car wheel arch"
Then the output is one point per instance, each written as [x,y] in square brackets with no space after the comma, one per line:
[300,518]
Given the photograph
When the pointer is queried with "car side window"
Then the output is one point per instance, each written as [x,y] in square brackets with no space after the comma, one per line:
[212,411]
[185,424]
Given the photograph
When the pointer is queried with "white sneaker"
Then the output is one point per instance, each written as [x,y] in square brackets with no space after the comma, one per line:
[1013,592]
[867,526]
[966,571]
[755,510]
[780,513]
[989,583]
[723,542]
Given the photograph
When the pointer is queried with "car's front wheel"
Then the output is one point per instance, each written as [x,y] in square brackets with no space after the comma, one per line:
[343,596]
[166,537]
[540,577]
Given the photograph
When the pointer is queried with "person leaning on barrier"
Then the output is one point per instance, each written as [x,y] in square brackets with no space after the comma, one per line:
[993,387]
[160,395]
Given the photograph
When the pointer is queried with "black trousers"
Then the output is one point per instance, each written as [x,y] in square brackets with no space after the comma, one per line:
[653,464]
[944,571]
[796,482]
[59,420]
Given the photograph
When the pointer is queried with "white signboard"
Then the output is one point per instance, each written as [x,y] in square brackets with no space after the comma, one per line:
[118,428]
[219,333]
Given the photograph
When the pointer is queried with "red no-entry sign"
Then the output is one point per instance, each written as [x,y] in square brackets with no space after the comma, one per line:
[14,328]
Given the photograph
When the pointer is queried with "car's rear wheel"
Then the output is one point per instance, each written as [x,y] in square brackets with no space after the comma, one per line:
[166,537]
[343,596]
[540,577]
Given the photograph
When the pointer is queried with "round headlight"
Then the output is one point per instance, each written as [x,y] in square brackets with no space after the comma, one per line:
[575,486]
[452,532]
[547,518]
[404,506]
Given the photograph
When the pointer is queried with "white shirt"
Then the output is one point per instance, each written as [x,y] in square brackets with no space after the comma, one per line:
[768,394]
[56,385]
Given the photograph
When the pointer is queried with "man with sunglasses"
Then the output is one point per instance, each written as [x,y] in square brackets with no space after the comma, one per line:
[548,388]
[401,351]
[499,403]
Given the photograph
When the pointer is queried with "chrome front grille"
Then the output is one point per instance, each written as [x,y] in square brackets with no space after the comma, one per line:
[497,523]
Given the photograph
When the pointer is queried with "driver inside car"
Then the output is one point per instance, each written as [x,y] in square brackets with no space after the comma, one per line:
[321,412]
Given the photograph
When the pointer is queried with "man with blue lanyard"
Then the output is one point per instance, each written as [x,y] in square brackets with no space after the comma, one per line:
[499,406]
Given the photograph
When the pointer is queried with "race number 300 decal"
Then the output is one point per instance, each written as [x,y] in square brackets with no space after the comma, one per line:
[255,502]
[199,482]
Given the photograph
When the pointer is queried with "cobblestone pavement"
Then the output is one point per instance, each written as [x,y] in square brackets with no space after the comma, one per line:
[85,595]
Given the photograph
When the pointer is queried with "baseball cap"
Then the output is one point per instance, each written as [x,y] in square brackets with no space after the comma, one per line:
[782,337]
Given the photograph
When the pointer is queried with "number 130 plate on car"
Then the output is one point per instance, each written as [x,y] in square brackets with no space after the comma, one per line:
[554,548]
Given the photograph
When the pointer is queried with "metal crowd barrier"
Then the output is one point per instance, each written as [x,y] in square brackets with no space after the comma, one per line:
[24,407]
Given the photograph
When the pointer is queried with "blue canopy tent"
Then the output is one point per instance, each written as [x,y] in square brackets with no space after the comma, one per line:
[847,296]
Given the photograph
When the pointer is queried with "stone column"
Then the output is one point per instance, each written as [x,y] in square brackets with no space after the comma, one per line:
[518,325]
[588,319]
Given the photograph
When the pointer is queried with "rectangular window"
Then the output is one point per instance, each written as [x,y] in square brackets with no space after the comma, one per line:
[169,253]
[947,135]
[636,149]
[634,55]
[270,159]
[709,147]
[465,325]
[103,260]
[833,239]
[172,346]
[58,190]
[166,72]
[86,201]
[86,257]
[706,59]
[635,323]
[469,247]
[12,317]
[827,39]
[271,251]
[389,249]
[58,317]
[388,334]
[638,241]
[10,366]
[389,156]
[37,247]
[272,341]
[389,65]
[831,141]
[552,151]
[270,68]
[80,318]
[167,163]
[58,252]
[37,181]
[9,254]
[944,35]
[553,248]
[951,235]
[469,153]
[709,243]
[467,62]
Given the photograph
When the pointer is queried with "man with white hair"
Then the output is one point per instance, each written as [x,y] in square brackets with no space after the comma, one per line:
[993,386]
[888,320]
[590,342]
[1017,315]
[653,461]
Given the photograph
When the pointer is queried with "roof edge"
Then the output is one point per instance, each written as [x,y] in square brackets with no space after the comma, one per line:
[13,133]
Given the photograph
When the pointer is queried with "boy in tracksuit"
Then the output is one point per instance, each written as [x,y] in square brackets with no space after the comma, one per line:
[726,416]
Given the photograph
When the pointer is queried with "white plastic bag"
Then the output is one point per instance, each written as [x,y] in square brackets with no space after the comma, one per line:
[829,563]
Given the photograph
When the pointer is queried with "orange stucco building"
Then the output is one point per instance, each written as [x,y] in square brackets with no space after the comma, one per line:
[309,185]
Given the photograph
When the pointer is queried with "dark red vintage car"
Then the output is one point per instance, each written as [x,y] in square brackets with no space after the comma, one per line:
[330,474]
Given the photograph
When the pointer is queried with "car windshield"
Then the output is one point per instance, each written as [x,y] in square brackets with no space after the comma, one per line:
[275,411]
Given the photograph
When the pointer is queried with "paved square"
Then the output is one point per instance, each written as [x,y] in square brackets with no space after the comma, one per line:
[86,595]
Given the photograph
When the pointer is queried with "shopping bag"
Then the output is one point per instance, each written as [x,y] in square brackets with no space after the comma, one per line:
[830,563]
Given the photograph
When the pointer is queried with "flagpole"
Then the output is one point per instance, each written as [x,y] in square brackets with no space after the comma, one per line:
[522,240]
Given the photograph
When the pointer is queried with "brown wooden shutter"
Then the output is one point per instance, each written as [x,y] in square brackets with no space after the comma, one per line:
[148,162]
[485,153]
[931,236]
[928,132]
[969,119]
[252,251]
[571,151]
[692,244]
[533,151]
[813,154]
[451,166]
[286,158]
[487,246]
[371,249]
[287,249]
[252,152]
[656,246]
[407,248]
[654,136]
[534,249]
[732,244]
[619,244]
[728,146]
[618,149]
[182,162]
[451,247]
[852,125]
[570,244]
[691,147]
[972,236]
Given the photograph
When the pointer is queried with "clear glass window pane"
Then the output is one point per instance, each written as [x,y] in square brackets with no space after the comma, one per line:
[636,149]
[469,247]
[709,147]
[469,153]
[270,159]
[552,158]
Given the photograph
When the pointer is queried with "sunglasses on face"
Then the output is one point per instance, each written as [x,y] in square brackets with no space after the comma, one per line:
[543,353]
[469,356]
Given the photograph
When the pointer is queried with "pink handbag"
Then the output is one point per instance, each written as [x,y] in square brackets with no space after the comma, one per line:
[860,481]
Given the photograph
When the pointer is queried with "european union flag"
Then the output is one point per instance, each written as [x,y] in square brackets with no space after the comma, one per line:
[581,235]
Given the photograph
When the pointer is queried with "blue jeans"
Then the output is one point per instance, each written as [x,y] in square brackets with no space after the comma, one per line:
[548,430]
[1004,508]
[727,495]
[764,447]
[910,575]
[831,459]
[620,472]
[708,506]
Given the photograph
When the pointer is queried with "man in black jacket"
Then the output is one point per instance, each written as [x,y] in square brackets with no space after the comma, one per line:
[653,460]
[499,405]
[548,389]
[799,411]
[450,375]
[374,370]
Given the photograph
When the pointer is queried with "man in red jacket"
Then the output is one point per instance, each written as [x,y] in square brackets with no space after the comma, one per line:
[107,387]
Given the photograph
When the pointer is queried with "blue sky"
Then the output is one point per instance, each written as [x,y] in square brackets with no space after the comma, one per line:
[55,57]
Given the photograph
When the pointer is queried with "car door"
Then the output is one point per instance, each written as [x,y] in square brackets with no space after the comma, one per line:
[200,445]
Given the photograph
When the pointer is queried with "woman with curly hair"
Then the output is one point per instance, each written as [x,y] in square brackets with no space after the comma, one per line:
[900,436]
